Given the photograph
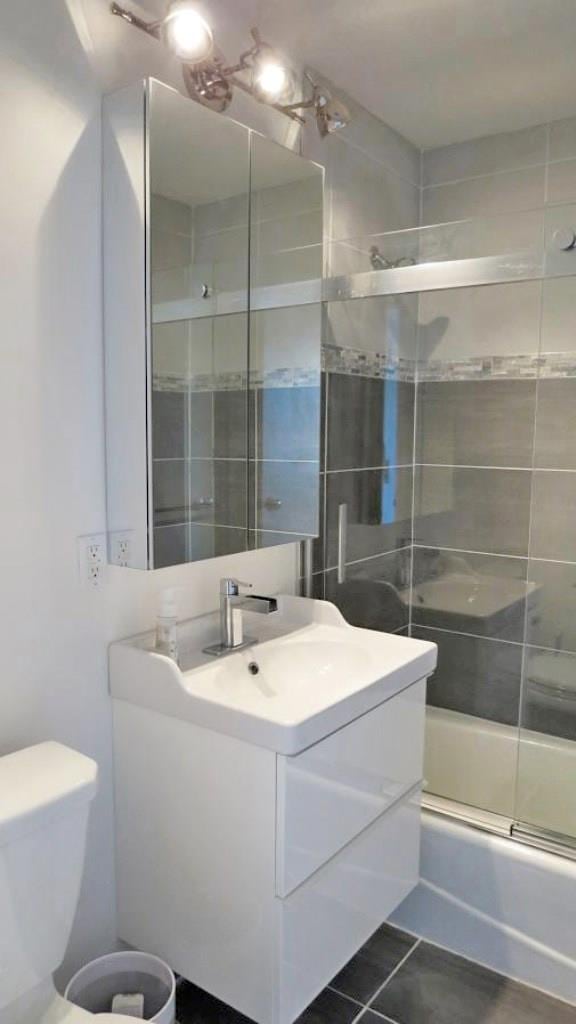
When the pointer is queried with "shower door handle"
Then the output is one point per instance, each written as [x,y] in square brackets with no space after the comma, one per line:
[342,541]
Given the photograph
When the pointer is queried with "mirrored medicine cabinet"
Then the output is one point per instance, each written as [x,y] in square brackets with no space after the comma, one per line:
[212,286]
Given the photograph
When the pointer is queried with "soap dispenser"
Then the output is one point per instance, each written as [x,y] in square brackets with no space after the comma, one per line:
[167,624]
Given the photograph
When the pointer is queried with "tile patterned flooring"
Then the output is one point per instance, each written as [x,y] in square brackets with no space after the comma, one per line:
[399,979]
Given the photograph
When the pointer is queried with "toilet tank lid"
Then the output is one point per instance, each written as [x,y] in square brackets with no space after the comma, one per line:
[40,783]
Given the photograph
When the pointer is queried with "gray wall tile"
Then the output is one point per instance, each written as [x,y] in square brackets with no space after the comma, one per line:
[552,622]
[484,197]
[371,422]
[505,152]
[473,509]
[555,446]
[475,676]
[554,516]
[379,510]
[563,139]
[476,423]
[549,696]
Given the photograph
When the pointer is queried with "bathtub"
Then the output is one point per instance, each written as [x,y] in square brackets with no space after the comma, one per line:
[497,901]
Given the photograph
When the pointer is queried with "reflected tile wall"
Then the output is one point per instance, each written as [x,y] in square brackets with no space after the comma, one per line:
[382,415]
[549,704]
[374,594]
[476,423]
[485,595]
[379,511]
[475,676]
[472,509]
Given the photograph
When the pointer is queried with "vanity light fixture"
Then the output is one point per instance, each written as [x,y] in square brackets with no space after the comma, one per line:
[260,71]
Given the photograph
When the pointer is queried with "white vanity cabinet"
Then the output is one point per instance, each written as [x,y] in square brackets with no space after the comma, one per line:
[258,874]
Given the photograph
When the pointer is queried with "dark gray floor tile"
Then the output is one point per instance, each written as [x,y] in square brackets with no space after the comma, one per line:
[370,422]
[556,424]
[366,971]
[379,509]
[375,593]
[194,1006]
[475,676]
[473,509]
[329,1008]
[288,423]
[436,986]
[553,516]
[369,1017]
[549,693]
[476,423]
[467,593]
[552,618]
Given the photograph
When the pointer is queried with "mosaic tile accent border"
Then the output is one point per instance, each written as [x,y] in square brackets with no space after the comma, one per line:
[517,367]
[357,363]
[283,377]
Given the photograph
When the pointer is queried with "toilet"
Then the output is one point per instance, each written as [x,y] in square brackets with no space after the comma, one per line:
[45,796]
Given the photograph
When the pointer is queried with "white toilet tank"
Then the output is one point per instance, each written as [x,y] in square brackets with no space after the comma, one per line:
[45,794]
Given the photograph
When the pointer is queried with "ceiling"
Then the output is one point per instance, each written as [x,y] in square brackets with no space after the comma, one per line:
[438,71]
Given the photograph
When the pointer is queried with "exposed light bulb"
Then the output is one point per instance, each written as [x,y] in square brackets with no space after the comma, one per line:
[271,79]
[187,33]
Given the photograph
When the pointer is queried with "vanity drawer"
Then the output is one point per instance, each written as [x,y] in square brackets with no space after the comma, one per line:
[328,919]
[329,793]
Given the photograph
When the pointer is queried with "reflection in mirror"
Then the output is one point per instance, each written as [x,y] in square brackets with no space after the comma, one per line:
[286,255]
[199,245]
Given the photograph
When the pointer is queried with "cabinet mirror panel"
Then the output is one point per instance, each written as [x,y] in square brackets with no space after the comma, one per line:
[213,271]
[285,329]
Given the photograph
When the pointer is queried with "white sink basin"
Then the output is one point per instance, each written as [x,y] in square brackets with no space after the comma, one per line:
[284,693]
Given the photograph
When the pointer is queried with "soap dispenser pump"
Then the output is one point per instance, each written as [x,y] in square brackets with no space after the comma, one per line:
[167,624]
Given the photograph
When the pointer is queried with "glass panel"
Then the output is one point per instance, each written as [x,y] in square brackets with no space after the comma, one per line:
[546,787]
[285,343]
[199,261]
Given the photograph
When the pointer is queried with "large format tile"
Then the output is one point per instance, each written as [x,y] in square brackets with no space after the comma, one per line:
[557,331]
[484,196]
[374,592]
[554,446]
[369,968]
[379,509]
[382,414]
[472,509]
[365,198]
[475,676]
[468,323]
[385,324]
[440,987]
[561,186]
[552,622]
[503,152]
[563,139]
[481,594]
[230,430]
[549,693]
[476,423]
[553,516]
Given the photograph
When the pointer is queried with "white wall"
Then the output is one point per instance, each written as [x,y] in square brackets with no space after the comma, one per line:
[55,59]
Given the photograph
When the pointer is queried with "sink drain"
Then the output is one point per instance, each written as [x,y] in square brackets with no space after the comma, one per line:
[253,668]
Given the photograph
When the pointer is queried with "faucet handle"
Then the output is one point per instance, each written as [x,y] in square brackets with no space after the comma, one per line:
[230,587]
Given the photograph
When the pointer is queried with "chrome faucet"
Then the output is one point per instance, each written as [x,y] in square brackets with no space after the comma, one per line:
[231,598]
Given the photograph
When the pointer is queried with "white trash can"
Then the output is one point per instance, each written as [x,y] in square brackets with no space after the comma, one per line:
[94,986]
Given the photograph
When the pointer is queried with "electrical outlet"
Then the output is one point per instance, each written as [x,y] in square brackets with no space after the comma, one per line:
[121,548]
[92,559]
